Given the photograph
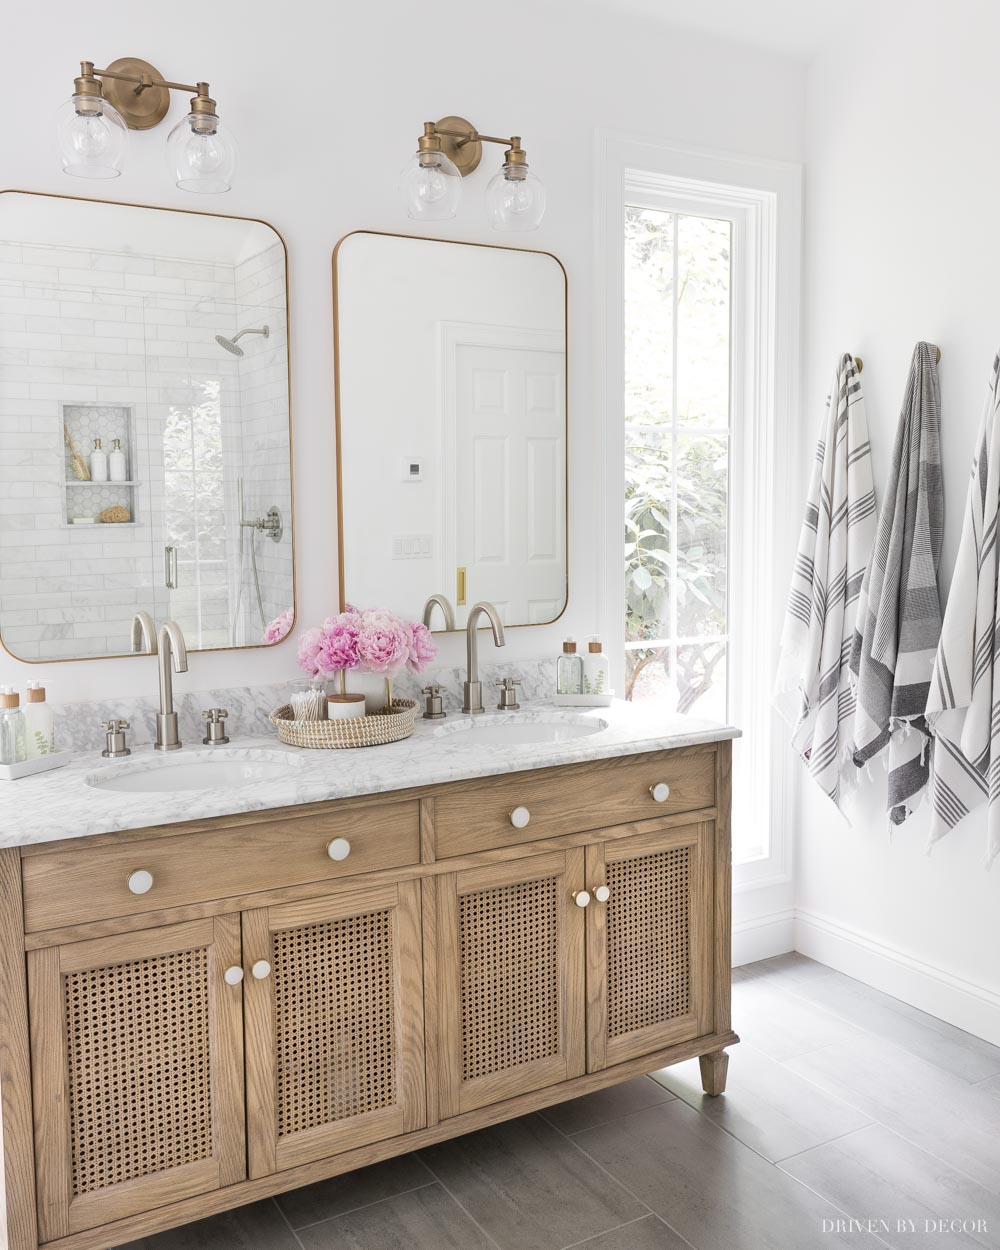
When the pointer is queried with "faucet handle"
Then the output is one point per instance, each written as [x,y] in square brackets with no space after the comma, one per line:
[434,709]
[115,744]
[508,694]
[215,729]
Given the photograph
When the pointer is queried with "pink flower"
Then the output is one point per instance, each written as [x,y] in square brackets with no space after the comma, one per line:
[383,642]
[279,628]
[422,648]
[309,649]
[339,648]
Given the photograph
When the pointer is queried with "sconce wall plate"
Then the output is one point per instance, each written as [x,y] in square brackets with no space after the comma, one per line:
[140,108]
[465,154]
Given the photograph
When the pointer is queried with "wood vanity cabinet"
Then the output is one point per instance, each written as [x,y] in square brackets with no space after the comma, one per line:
[375,975]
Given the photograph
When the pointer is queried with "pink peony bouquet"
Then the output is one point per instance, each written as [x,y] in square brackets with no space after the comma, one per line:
[279,628]
[374,641]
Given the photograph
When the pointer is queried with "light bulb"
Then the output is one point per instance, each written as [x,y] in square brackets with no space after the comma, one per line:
[431,187]
[201,154]
[515,198]
[93,138]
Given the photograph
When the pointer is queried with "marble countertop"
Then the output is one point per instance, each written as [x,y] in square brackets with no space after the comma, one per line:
[71,802]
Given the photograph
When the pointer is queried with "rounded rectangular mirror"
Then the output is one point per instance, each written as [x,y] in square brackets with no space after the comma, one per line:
[145,459]
[451,423]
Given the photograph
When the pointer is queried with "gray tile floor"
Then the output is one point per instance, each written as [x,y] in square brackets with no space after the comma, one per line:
[844,1104]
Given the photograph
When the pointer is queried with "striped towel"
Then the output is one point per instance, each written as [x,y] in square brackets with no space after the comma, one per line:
[899,612]
[813,689]
[963,707]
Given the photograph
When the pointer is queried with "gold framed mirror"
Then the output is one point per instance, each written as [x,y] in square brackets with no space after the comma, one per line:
[145,427]
[452,427]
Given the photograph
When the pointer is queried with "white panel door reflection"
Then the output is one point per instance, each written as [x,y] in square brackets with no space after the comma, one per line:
[509,455]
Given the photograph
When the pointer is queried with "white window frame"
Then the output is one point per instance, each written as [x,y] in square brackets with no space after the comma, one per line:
[763,200]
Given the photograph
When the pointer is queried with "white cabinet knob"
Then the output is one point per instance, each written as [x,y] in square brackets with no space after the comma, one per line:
[602,894]
[519,817]
[234,975]
[581,898]
[660,792]
[339,848]
[261,969]
[140,881]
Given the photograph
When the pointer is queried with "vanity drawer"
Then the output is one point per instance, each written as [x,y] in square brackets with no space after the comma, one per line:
[482,815]
[83,884]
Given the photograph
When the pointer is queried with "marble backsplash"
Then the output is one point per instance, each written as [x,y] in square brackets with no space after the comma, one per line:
[78,725]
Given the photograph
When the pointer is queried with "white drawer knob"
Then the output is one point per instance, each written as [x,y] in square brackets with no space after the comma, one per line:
[140,881]
[234,975]
[602,894]
[519,817]
[660,792]
[261,969]
[339,848]
[581,898]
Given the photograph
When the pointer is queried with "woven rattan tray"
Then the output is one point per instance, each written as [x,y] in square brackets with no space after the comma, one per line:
[389,725]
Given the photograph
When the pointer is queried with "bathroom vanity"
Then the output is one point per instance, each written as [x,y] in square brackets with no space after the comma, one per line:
[214,1008]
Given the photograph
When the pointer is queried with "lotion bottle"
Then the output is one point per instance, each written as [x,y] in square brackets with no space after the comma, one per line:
[13,747]
[117,468]
[98,463]
[39,722]
[569,670]
[596,669]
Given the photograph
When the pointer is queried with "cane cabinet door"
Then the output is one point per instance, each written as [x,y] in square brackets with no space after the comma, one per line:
[510,979]
[649,943]
[335,1024]
[137,1054]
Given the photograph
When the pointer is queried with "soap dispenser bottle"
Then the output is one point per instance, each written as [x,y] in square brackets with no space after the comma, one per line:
[596,669]
[13,746]
[39,722]
[98,463]
[569,670]
[117,468]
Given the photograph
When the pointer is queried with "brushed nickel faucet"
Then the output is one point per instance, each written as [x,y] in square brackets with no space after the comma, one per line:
[472,702]
[172,648]
[447,611]
[143,634]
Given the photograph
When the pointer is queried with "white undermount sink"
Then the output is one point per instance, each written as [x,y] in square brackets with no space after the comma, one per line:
[515,731]
[201,772]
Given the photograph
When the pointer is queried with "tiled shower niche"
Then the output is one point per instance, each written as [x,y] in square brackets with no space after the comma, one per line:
[84,423]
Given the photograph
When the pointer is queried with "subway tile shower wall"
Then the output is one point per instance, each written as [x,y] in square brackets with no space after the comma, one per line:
[84,331]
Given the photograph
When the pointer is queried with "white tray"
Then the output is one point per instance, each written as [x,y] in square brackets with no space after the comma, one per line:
[41,764]
[583,700]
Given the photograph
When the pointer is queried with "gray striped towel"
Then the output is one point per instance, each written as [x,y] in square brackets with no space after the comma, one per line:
[963,708]
[813,689]
[899,612]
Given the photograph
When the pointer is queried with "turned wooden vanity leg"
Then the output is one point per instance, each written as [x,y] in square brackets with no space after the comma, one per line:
[714,1067]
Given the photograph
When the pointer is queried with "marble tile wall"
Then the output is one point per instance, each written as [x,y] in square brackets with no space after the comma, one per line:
[78,725]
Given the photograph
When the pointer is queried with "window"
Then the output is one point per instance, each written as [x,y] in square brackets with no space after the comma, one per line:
[699,372]
[678,287]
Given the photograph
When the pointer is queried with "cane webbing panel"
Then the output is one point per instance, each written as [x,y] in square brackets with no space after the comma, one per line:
[510,976]
[137,1038]
[649,944]
[334,1020]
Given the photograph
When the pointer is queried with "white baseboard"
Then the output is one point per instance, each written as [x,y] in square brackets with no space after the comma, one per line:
[887,968]
[763,936]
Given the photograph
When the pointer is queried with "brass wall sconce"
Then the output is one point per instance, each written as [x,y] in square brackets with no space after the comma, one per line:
[450,150]
[129,95]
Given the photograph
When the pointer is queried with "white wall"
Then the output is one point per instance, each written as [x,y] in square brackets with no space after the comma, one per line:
[308,169]
[900,246]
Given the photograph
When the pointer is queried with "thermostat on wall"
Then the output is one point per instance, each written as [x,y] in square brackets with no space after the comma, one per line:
[412,469]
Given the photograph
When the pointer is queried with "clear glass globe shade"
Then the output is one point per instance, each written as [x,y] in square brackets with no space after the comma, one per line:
[431,187]
[515,199]
[93,138]
[199,160]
